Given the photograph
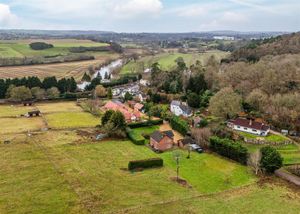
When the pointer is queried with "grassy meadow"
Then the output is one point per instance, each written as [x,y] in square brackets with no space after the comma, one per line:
[167,60]
[20,48]
[14,110]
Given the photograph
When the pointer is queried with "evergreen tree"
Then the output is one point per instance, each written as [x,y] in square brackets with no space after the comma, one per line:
[49,82]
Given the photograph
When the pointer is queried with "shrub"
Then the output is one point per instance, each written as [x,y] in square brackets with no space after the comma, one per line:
[179,125]
[148,163]
[145,124]
[40,46]
[203,123]
[136,139]
[229,149]
[271,159]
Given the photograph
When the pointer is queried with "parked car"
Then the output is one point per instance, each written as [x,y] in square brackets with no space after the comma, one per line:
[196,148]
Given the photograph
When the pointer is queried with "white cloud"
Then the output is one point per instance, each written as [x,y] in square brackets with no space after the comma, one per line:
[195,10]
[7,18]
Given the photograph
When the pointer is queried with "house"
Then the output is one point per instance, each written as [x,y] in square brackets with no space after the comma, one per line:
[249,126]
[162,141]
[180,109]
[129,114]
[139,107]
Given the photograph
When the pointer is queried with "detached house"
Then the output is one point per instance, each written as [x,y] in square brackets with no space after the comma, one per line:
[249,126]
[162,141]
[180,109]
[130,116]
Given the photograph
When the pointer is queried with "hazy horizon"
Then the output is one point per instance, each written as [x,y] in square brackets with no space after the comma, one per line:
[151,16]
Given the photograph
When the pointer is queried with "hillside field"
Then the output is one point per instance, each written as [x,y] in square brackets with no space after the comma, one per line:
[20,48]
[167,60]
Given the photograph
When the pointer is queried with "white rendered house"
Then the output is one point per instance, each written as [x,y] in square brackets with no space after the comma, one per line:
[180,109]
[249,126]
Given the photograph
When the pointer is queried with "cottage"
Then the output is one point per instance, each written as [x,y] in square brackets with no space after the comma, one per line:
[249,126]
[186,141]
[130,116]
[162,141]
[180,109]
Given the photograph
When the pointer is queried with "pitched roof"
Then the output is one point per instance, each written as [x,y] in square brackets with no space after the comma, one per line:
[186,109]
[188,140]
[175,103]
[138,106]
[250,124]
[158,136]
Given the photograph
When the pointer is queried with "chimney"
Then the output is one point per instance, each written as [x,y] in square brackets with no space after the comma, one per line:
[250,123]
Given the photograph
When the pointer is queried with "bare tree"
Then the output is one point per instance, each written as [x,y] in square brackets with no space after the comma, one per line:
[201,136]
[254,161]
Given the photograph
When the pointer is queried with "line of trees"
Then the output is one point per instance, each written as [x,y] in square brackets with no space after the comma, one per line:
[36,86]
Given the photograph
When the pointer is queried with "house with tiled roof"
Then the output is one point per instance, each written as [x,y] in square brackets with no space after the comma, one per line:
[130,116]
[249,126]
[162,141]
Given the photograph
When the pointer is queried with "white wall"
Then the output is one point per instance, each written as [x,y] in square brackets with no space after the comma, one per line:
[252,131]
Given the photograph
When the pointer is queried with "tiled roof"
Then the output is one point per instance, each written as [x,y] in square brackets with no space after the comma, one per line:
[250,124]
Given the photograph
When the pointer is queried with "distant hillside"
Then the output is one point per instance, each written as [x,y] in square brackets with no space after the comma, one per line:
[285,44]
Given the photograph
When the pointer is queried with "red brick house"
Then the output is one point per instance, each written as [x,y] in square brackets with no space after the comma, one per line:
[162,141]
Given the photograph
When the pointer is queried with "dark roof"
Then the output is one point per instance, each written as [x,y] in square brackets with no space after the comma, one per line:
[188,140]
[250,124]
[186,109]
[158,136]
[169,133]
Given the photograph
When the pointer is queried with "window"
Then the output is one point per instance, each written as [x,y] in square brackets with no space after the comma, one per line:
[254,130]
[239,127]
[245,129]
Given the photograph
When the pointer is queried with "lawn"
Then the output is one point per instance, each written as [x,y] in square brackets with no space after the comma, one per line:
[209,173]
[18,125]
[145,130]
[14,110]
[269,138]
[52,171]
[167,60]
[71,120]
[58,107]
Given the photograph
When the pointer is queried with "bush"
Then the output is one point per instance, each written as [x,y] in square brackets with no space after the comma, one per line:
[229,149]
[148,163]
[203,123]
[179,125]
[145,124]
[271,159]
[136,139]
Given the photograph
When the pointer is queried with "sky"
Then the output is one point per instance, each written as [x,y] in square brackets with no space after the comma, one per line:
[151,15]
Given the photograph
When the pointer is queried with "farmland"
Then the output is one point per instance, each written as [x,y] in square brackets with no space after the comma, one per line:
[20,48]
[167,60]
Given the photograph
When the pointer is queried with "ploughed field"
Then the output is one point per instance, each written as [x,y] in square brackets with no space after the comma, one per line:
[63,171]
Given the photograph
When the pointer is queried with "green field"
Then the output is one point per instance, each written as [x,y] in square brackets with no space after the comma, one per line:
[269,138]
[13,110]
[20,48]
[167,60]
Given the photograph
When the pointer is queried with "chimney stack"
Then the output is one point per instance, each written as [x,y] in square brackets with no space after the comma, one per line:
[250,123]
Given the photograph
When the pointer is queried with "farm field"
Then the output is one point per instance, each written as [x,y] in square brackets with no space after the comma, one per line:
[20,48]
[63,120]
[18,125]
[167,60]
[79,178]
[13,110]
[58,107]
[60,70]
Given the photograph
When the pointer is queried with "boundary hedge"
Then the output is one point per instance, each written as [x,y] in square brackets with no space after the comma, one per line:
[229,149]
[179,125]
[146,123]
[148,163]
[136,139]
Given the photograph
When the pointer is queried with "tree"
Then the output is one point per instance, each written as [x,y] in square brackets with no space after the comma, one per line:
[226,103]
[254,161]
[86,77]
[20,93]
[106,117]
[109,93]
[100,91]
[38,93]
[52,93]
[49,82]
[271,159]
[257,99]
[201,136]
[118,120]
[193,100]
[128,96]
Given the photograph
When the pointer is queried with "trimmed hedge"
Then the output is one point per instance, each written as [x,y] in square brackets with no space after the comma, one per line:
[136,139]
[145,124]
[179,125]
[229,149]
[148,163]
